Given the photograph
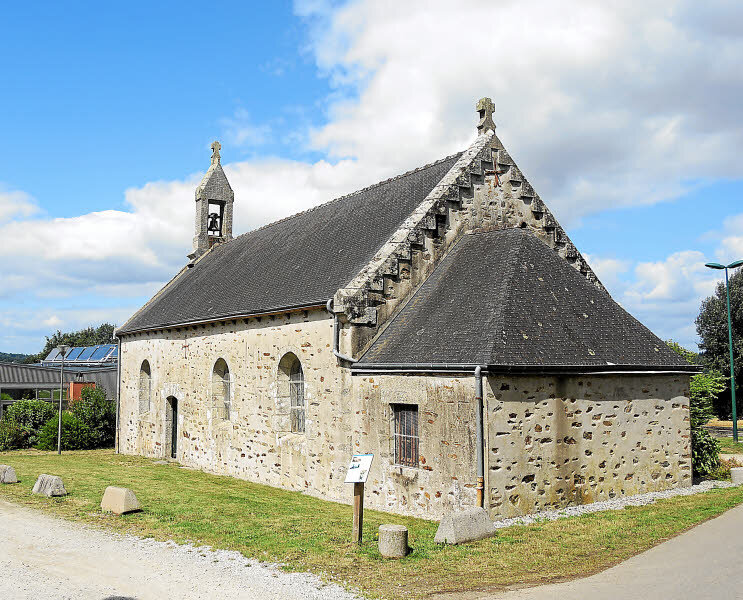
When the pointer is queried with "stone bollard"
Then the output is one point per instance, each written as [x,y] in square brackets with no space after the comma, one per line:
[119,500]
[393,541]
[7,474]
[464,526]
[49,485]
[736,475]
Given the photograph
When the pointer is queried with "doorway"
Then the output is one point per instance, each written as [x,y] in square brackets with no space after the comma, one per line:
[171,427]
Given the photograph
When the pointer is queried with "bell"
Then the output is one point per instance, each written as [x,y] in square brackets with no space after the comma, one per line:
[213,224]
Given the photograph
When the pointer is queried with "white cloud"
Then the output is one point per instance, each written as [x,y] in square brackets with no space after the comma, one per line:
[602,105]
[595,101]
[16,204]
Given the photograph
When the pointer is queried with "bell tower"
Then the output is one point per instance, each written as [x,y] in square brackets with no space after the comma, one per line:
[214,198]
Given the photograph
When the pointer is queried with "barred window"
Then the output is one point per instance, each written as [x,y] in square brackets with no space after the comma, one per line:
[406,434]
[221,399]
[145,387]
[296,393]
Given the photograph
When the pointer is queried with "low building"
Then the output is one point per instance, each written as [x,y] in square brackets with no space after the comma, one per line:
[367,324]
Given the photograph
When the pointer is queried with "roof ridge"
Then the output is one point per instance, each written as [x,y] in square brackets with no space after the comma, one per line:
[345,196]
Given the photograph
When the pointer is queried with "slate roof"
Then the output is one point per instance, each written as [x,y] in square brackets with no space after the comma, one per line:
[299,261]
[504,298]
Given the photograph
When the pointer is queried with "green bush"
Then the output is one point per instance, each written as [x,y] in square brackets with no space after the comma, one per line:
[6,397]
[12,435]
[76,435]
[30,415]
[98,414]
[705,452]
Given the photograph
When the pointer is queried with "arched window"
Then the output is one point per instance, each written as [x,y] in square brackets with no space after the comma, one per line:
[221,390]
[145,387]
[292,385]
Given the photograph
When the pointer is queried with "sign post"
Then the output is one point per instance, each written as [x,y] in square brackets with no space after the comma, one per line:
[358,473]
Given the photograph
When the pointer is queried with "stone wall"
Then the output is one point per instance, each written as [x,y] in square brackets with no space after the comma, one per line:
[345,415]
[550,441]
[256,442]
[555,441]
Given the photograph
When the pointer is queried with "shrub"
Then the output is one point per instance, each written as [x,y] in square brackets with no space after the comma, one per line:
[722,471]
[98,414]
[6,397]
[76,435]
[12,435]
[30,415]
[705,452]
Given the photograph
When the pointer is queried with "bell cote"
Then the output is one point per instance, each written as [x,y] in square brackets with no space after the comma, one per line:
[214,199]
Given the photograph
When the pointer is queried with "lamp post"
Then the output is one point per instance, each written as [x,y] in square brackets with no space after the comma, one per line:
[63,348]
[732,265]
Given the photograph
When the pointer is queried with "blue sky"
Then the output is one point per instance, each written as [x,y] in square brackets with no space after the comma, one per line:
[626,120]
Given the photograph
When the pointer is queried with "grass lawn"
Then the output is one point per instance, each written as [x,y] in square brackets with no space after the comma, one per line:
[310,534]
[728,446]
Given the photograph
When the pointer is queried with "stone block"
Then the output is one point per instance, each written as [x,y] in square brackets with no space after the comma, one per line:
[736,475]
[465,526]
[7,474]
[393,541]
[49,485]
[119,500]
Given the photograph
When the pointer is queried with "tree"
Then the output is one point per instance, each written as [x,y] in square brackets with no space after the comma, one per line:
[704,390]
[90,336]
[712,327]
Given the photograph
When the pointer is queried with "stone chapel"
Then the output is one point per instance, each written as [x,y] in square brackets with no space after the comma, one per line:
[441,320]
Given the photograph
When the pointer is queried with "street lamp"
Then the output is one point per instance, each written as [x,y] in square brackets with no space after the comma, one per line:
[732,265]
[63,348]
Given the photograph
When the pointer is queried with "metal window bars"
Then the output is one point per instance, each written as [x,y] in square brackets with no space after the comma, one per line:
[296,395]
[406,434]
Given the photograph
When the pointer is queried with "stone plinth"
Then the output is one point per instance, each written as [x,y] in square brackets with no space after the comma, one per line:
[119,500]
[7,474]
[49,485]
[465,526]
[736,475]
[393,541]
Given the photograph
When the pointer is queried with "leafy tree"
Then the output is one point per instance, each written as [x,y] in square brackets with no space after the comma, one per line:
[75,434]
[704,390]
[98,414]
[30,415]
[12,357]
[712,327]
[90,336]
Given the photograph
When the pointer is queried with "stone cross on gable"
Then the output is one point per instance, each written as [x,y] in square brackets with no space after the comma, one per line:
[486,108]
[216,147]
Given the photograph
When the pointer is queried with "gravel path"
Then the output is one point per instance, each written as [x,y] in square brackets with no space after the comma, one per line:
[614,504]
[45,557]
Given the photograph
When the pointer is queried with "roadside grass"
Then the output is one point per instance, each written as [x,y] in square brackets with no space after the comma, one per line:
[305,533]
[728,446]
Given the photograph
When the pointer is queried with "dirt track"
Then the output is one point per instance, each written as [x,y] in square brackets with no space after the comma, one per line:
[45,557]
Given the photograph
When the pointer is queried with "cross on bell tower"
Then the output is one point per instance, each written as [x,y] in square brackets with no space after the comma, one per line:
[214,199]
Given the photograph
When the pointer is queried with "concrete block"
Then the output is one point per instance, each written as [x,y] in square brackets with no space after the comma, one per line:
[7,474]
[465,526]
[119,500]
[393,541]
[49,485]
[736,475]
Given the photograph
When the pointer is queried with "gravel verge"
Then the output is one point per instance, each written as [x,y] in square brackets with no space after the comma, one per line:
[47,557]
[613,504]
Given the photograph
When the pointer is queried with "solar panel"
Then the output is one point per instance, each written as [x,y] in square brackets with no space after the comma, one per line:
[86,353]
[53,355]
[101,352]
[74,353]
[115,353]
